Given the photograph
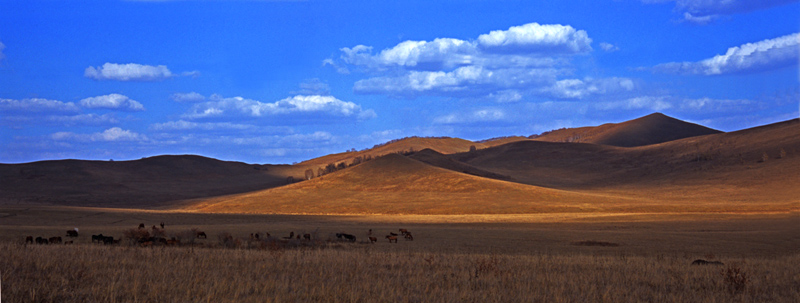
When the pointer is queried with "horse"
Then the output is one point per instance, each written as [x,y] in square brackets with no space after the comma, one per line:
[29,239]
[162,224]
[291,235]
[72,233]
[392,234]
[392,238]
[54,240]
[141,225]
[409,237]
[307,237]
[109,240]
[201,235]
[373,240]
[403,231]
[40,240]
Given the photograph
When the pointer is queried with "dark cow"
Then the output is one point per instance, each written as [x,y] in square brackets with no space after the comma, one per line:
[40,240]
[54,240]
[109,240]
[392,238]
[98,238]
[704,262]
[72,233]
[347,237]
[29,239]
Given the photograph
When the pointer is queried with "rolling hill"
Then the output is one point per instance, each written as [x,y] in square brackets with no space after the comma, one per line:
[149,182]
[650,129]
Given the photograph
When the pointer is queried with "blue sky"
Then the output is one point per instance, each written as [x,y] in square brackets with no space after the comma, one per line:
[286,81]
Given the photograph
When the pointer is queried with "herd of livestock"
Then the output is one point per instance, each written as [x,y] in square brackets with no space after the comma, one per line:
[157,236]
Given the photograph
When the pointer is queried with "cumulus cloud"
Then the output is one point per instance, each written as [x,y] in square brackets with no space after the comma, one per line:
[480,115]
[313,86]
[36,105]
[608,47]
[113,134]
[112,101]
[187,97]
[502,65]
[751,57]
[128,72]
[239,106]
[705,11]
[188,125]
[537,38]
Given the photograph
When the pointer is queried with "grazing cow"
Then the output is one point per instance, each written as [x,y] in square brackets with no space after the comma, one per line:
[392,238]
[40,240]
[373,240]
[72,233]
[307,237]
[409,237]
[141,225]
[54,240]
[29,239]
[68,242]
[347,237]
[291,236]
[98,238]
[201,235]
[109,240]
[704,262]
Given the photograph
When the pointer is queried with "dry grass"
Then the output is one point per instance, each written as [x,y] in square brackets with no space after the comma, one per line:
[357,273]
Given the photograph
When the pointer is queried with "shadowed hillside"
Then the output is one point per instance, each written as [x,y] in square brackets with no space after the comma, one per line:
[149,182]
[650,129]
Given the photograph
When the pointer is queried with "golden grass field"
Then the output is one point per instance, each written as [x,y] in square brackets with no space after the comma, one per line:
[516,220]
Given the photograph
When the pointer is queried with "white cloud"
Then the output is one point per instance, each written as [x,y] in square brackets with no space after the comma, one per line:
[481,115]
[578,89]
[502,65]
[131,72]
[37,105]
[313,86]
[751,57]
[705,11]
[188,125]
[113,134]
[298,104]
[608,47]
[112,101]
[187,97]
[537,38]
[2,47]
[461,81]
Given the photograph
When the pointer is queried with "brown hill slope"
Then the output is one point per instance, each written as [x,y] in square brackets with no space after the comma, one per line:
[650,129]
[719,167]
[443,145]
[148,182]
[395,184]
[437,159]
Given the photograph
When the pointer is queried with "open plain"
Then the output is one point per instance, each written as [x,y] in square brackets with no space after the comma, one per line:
[576,215]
